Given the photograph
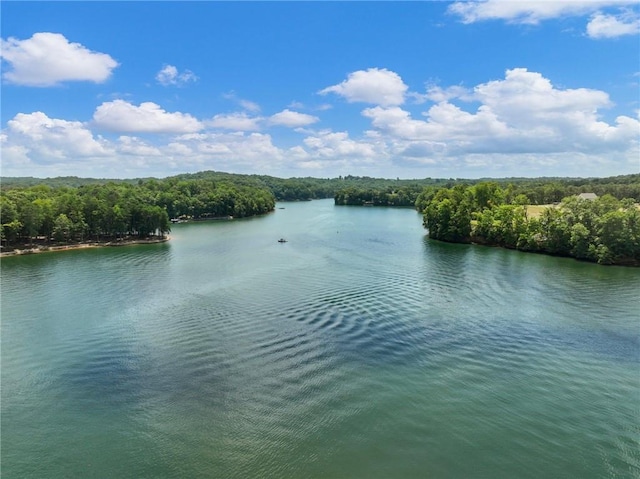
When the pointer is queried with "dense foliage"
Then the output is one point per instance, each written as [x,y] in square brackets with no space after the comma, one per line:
[359,188]
[385,196]
[115,210]
[538,190]
[378,192]
[69,209]
[605,230]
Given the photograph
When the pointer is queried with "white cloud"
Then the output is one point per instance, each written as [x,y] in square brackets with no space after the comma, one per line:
[438,94]
[249,106]
[237,151]
[51,138]
[35,145]
[520,124]
[169,75]
[529,12]
[525,97]
[179,149]
[130,145]
[521,114]
[47,59]
[292,119]
[235,121]
[14,155]
[327,144]
[122,116]
[397,123]
[378,86]
[610,26]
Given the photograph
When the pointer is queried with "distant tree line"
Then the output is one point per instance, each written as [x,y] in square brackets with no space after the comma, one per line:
[538,190]
[384,196]
[605,230]
[371,191]
[68,209]
[283,189]
[113,210]
[305,189]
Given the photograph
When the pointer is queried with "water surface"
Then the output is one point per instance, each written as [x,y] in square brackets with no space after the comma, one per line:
[359,348]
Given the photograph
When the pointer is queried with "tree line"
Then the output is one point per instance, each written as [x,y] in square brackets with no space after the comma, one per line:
[377,192]
[70,209]
[353,190]
[385,196]
[102,212]
[605,230]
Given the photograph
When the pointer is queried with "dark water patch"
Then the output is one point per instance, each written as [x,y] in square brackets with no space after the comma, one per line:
[114,376]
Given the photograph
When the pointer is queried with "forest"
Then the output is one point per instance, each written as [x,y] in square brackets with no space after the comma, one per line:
[97,211]
[417,193]
[68,210]
[605,229]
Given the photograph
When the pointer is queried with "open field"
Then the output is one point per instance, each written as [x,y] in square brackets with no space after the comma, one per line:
[535,211]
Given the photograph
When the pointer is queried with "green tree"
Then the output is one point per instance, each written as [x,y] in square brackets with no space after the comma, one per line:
[62,228]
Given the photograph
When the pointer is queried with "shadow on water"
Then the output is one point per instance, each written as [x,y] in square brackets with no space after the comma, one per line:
[506,299]
[114,375]
[124,374]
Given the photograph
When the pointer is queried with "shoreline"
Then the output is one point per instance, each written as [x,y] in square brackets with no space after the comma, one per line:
[86,245]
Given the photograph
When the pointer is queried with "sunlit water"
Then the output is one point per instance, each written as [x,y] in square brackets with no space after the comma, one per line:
[358,349]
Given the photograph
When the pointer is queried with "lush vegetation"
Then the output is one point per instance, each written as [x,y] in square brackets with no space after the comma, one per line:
[358,190]
[605,230]
[103,212]
[354,190]
[283,189]
[71,209]
[361,191]
[391,195]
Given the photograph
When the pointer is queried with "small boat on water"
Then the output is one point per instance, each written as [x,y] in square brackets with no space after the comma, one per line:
[282,240]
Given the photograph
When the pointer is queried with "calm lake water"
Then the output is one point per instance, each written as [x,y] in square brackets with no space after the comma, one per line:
[358,349]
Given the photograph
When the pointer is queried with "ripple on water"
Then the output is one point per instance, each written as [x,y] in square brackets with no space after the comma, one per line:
[358,354]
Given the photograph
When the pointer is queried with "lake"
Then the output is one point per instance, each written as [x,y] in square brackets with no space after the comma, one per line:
[358,349]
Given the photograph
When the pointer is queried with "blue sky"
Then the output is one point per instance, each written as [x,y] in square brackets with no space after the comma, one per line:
[386,89]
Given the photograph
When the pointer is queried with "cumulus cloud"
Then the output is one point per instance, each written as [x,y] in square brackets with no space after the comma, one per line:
[236,151]
[36,144]
[327,144]
[528,12]
[131,145]
[235,121]
[624,20]
[47,59]
[438,94]
[169,75]
[375,85]
[50,139]
[522,113]
[292,119]
[610,26]
[526,98]
[122,116]
[519,123]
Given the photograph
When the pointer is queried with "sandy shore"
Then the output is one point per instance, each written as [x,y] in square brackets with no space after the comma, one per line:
[92,244]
